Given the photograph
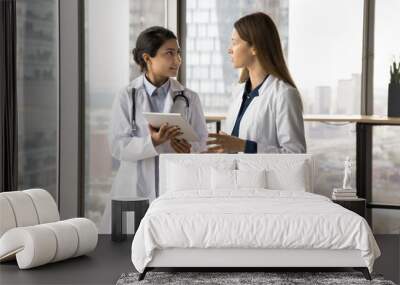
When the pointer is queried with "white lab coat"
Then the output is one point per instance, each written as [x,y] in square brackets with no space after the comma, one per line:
[136,173]
[274,119]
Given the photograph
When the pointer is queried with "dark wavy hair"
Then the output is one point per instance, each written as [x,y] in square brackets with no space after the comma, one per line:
[149,41]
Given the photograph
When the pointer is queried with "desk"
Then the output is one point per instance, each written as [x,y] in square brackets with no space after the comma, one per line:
[374,120]
[210,118]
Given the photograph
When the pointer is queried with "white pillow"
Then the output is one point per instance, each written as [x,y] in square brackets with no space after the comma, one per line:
[282,173]
[183,178]
[251,178]
[226,179]
[223,179]
[293,179]
[187,176]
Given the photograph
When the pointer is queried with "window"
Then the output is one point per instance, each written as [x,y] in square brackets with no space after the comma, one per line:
[324,54]
[37,94]
[386,139]
[209,26]
[385,221]
[329,160]
[386,49]
[325,58]
[386,165]
[111,29]
[386,178]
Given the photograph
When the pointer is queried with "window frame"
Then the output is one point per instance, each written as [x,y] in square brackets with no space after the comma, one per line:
[71,122]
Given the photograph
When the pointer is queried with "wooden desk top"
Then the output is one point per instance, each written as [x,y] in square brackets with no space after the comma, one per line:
[215,117]
[330,118]
[353,119]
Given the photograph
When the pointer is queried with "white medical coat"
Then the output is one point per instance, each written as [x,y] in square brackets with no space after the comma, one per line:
[274,119]
[136,153]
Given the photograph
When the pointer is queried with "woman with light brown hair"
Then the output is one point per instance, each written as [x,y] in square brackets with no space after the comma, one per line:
[266,113]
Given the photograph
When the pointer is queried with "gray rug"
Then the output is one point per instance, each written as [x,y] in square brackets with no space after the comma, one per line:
[225,278]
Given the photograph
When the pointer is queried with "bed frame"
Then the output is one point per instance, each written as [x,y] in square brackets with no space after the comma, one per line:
[248,259]
[260,259]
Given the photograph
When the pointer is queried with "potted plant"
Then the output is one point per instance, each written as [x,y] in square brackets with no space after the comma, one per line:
[394,90]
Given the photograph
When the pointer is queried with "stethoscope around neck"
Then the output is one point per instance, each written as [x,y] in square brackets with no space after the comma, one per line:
[178,99]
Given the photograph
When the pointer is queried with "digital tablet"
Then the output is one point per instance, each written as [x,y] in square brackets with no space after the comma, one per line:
[173,119]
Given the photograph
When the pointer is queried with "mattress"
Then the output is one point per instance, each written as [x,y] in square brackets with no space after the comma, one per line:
[250,219]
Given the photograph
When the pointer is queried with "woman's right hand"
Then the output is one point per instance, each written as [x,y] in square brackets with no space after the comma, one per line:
[163,134]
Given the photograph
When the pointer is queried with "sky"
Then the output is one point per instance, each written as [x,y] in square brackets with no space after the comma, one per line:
[387,39]
[108,44]
[325,40]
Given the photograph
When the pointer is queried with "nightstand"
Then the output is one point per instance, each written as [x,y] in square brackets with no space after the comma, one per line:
[357,205]
[120,205]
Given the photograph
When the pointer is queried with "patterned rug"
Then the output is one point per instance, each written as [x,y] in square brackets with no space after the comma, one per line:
[243,278]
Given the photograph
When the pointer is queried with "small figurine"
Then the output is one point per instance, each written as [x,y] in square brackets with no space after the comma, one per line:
[347,173]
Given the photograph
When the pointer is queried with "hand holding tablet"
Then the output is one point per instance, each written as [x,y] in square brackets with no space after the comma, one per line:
[164,133]
[173,119]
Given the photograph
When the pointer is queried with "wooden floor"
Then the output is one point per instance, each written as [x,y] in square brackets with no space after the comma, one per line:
[110,260]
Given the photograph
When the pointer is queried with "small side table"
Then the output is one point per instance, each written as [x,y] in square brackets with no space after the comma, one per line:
[357,205]
[119,205]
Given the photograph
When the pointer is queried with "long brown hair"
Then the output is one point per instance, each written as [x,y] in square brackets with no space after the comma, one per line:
[260,32]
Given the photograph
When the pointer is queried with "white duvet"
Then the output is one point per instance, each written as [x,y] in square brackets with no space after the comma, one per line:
[253,218]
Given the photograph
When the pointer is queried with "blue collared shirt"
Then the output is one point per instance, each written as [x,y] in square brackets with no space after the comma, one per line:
[248,96]
[156,95]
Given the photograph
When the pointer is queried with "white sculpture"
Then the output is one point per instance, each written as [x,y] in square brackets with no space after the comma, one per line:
[347,173]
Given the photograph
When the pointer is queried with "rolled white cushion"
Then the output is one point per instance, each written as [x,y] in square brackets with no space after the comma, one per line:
[23,208]
[7,218]
[67,240]
[45,205]
[33,246]
[37,245]
[87,234]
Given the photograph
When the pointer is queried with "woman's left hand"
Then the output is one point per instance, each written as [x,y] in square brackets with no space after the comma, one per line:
[225,143]
[180,145]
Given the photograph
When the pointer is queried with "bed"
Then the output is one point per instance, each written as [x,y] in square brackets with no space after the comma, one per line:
[247,211]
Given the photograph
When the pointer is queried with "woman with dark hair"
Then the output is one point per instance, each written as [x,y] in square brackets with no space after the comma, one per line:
[134,142]
[266,115]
